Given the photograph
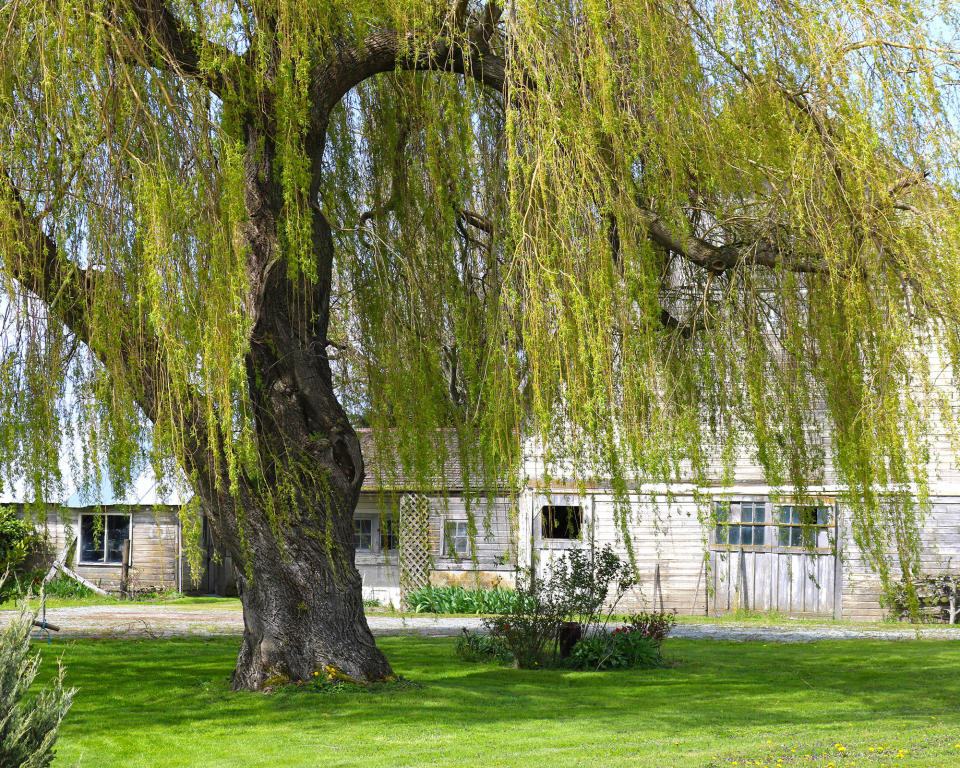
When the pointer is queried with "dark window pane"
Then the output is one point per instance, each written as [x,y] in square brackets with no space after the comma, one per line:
[759,513]
[758,535]
[721,534]
[746,535]
[746,513]
[91,538]
[823,516]
[561,521]
[784,536]
[362,534]
[389,538]
[796,538]
[722,511]
[734,534]
[118,531]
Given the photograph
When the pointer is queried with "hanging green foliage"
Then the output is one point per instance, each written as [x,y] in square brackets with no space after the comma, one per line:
[650,236]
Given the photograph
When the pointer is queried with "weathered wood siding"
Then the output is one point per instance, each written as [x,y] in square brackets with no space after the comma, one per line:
[154,544]
[666,535]
[671,538]
[490,562]
[940,552]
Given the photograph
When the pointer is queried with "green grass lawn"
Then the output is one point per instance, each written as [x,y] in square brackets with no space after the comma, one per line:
[867,703]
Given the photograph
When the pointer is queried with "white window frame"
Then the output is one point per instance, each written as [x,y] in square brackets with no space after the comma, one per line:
[104,514]
[773,526]
[727,525]
[450,548]
[817,528]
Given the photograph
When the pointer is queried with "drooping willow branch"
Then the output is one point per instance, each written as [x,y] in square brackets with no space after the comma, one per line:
[70,293]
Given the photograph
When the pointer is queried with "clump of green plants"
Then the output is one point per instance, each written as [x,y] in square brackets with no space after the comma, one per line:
[655,626]
[624,648]
[18,539]
[457,599]
[65,587]
[476,646]
[28,729]
[551,614]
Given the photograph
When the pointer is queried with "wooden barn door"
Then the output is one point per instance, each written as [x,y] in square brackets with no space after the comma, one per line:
[781,558]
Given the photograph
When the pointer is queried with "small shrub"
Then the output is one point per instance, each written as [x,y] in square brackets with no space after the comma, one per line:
[655,626]
[624,648]
[17,540]
[65,587]
[526,636]
[582,588]
[473,646]
[28,732]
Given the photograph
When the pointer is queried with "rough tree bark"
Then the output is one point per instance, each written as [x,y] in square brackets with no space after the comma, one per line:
[300,589]
[301,592]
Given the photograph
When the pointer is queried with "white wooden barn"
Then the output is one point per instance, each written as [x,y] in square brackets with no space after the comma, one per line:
[710,550]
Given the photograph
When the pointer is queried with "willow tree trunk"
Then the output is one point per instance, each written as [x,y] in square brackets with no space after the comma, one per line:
[291,529]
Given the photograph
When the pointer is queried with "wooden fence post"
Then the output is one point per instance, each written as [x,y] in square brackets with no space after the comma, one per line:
[657,588]
[124,569]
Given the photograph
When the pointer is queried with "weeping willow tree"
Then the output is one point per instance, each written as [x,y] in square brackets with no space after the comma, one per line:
[650,234]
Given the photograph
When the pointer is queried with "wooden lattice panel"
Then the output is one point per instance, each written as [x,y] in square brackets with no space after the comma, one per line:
[414,546]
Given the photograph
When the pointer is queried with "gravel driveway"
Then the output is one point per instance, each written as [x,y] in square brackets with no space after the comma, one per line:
[148,620]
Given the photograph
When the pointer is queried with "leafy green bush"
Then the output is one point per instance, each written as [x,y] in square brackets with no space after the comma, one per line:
[655,626]
[17,539]
[64,586]
[28,732]
[624,648]
[455,599]
[582,589]
[18,586]
[473,646]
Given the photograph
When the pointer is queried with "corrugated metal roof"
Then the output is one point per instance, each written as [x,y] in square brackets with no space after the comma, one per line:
[143,491]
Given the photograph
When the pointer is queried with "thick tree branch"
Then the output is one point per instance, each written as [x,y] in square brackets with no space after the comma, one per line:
[69,293]
[386,51]
[181,48]
[719,258]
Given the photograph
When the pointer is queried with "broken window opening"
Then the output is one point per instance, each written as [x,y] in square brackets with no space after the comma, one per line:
[561,521]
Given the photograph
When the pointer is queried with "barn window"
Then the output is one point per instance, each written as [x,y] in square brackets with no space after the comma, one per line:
[389,535]
[804,526]
[456,537]
[561,521]
[102,537]
[363,534]
[741,523]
